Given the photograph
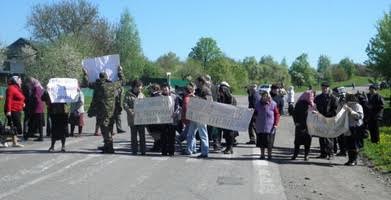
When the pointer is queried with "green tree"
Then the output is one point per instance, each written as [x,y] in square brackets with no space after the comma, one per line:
[169,62]
[190,70]
[339,74]
[324,68]
[250,64]
[52,21]
[205,51]
[268,60]
[127,43]
[348,66]
[301,67]
[379,47]
[56,60]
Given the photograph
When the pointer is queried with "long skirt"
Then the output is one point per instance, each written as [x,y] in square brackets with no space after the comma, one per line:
[265,140]
[59,126]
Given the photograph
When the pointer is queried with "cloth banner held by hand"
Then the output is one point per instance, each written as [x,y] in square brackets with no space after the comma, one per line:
[328,127]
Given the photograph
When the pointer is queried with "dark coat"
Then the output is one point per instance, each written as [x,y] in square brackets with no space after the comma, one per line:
[300,118]
[375,106]
[326,104]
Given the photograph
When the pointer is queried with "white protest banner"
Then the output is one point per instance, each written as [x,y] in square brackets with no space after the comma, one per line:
[108,64]
[328,127]
[62,90]
[219,115]
[154,110]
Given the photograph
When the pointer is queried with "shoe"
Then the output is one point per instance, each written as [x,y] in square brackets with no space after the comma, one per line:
[108,151]
[269,158]
[39,139]
[351,163]
[343,154]
[294,157]
[250,142]
[101,148]
[51,149]
[228,151]
[63,149]
[262,157]
[17,145]
[306,158]
[171,154]
[330,157]
[202,156]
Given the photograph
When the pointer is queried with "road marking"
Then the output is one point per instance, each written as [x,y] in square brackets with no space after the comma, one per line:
[42,178]
[267,181]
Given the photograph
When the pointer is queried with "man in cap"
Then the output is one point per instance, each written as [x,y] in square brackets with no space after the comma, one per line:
[327,105]
[375,112]
[104,104]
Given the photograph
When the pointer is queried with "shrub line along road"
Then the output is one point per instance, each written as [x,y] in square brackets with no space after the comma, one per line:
[84,173]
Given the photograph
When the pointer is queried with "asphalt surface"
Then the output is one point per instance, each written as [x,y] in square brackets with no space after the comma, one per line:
[83,173]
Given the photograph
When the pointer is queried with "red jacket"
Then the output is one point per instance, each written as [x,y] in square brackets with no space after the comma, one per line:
[14,101]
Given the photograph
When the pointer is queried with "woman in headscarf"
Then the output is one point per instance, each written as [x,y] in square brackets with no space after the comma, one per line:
[59,115]
[37,108]
[356,116]
[303,105]
[267,118]
[14,104]
[76,115]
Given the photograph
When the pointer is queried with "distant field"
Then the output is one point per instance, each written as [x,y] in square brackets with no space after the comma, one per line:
[357,80]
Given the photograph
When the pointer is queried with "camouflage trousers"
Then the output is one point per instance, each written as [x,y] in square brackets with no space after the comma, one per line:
[106,126]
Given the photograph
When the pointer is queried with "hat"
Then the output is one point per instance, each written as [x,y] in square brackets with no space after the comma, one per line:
[374,86]
[325,84]
[274,86]
[224,83]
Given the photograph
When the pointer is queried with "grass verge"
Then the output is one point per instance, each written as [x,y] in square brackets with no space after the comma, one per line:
[380,154]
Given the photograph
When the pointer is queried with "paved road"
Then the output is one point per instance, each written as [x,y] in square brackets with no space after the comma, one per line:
[84,173]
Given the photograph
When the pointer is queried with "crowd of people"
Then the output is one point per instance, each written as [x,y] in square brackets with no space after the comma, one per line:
[364,113]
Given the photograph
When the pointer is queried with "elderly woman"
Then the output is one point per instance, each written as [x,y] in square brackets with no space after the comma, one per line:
[13,107]
[356,116]
[37,108]
[266,122]
[303,105]
[59,115]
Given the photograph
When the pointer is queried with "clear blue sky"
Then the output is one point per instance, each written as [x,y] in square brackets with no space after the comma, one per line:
[337,28]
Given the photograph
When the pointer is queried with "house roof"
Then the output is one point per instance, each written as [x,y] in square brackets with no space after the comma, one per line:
[21,42]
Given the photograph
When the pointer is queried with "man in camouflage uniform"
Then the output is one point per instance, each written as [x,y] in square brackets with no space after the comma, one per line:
[103,105]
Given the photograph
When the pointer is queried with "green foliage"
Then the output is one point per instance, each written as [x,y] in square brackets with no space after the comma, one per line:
[301,71]
[379,48]
[127,44]
[380,154]
[226,69]
[169,62]
[51,21]
[205,51]
[56,60]
[339,74]
[324,69]
[190,70]
[348,66]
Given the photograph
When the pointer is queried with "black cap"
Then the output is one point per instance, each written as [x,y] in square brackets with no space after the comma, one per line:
[325,84]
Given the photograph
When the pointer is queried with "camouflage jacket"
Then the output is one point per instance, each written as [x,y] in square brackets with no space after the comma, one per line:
[103,99]
[128,104]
